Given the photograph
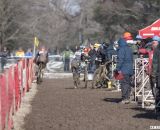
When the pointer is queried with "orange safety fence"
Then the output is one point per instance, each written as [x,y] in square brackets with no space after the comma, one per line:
[15,81]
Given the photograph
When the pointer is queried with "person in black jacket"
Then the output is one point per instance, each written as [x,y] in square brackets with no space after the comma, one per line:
[92,57]
[112,50]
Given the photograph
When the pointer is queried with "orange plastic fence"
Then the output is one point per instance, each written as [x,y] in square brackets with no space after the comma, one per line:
[14,83]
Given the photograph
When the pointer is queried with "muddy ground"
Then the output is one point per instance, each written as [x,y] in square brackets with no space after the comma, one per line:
[57,106]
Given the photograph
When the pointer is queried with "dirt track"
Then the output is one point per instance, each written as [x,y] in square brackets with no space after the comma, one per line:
[59,107]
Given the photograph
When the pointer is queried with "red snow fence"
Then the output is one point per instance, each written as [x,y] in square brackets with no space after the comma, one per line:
[15,81]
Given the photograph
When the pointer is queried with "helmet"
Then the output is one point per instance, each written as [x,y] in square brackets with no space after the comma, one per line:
[97,45]
[127,36]
[82,47]
[156,38]
[86,50]
[139,37]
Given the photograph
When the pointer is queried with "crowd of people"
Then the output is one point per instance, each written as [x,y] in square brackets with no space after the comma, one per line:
[5,54]
[127,50]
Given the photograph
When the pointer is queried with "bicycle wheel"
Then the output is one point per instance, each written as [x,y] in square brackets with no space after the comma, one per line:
[86,77]
[96,77]
[76,78]
[39,75]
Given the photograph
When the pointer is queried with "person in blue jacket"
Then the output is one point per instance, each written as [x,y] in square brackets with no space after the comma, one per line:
[112,50]
[125,66]
[29,53]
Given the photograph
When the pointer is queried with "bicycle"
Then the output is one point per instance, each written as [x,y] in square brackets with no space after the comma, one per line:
[100,77]
[86,73]
[40,73]
[75,67]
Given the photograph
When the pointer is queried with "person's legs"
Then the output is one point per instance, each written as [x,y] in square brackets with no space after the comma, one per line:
[152,86]
[158,100]
[3,63]
[67,66]
[1,69]
[64,66]
[125,87]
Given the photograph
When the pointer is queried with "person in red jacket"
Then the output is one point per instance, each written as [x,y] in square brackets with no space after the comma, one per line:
[150,53]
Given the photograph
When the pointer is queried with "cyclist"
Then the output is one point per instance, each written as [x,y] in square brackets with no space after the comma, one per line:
[41,57]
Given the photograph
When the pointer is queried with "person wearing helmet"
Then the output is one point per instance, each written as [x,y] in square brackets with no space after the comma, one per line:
[100,56]
[41,56]
[155,75]
[96,46]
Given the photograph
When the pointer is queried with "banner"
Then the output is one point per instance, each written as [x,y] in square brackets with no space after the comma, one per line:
[36,41]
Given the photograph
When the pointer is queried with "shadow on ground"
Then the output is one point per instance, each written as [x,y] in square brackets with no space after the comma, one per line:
[113,100]
[145,114]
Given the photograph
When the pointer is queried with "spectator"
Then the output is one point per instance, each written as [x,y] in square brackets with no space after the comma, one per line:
[29,53]
[156,74]
[125,67]
[20,52]
[4,54]
[92,57]
[66,58]
[112,50]
[150,52]
[132,44]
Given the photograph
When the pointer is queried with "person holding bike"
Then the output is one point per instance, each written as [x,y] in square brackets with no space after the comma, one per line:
[100,67]
[100,56]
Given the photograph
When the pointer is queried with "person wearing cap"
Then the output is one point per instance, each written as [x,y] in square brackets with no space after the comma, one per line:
[139,39]
[155,75]
[125,68]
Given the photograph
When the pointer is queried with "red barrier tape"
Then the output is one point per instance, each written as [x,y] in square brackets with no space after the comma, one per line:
[14,83]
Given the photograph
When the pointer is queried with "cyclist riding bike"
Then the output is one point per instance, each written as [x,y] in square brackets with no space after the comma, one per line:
[41,59]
